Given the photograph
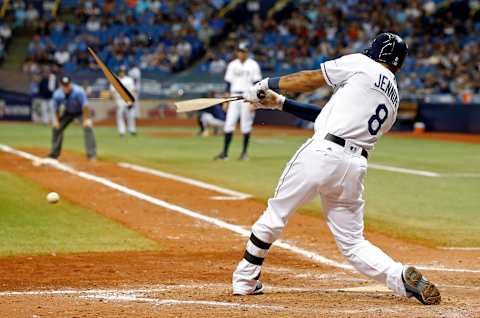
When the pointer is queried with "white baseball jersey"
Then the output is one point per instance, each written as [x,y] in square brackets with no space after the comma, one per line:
[365,100]
[363,107]
[136,74]
[129,84]
[242,76]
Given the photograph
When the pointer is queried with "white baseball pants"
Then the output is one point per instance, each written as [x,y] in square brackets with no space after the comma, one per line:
[122,112]
[239,110]
[47,110]
[323,168]
[208,120]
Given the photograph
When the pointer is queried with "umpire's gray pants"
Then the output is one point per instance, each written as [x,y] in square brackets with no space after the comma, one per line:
[57,136]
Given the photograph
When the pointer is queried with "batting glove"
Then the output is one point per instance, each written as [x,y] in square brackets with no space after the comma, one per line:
[256,92]
[263,84]
[272,100]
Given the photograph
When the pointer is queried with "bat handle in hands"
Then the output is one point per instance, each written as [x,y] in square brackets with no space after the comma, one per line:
[261,94]
[269,100]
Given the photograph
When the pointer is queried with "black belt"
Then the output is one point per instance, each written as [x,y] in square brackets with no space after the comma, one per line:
[341,142]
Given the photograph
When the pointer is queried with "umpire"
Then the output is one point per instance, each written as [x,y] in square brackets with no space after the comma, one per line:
[74,101]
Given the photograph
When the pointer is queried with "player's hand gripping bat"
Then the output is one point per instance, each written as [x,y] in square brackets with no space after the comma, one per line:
[113,79]
[202,103]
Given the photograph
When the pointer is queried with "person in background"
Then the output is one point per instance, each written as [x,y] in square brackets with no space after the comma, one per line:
[46,87]
[123,109]
[240,75]
[136,74]
[75,105]
[214,117]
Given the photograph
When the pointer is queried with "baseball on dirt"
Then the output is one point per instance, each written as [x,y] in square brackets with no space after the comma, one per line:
[53,197]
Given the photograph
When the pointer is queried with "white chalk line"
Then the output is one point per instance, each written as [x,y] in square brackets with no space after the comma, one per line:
[141,291]
[93,291]
[139,195]
[168,288]
[217,222]
[403,170]
[463,175]
[138,295]
[422,173]
[66,292]
[232,195]
[315,275]
[453,248]
[170,302]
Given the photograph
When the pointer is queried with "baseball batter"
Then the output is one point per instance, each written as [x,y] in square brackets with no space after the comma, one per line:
[333,163]
[240,75]
[122,107]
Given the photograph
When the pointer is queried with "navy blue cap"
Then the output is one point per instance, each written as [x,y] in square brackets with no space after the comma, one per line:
[243,46]
[65,80]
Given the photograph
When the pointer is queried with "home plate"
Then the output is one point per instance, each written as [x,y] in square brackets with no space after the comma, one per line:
[366,289]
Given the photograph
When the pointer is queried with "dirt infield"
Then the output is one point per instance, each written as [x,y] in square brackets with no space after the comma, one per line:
[191,277]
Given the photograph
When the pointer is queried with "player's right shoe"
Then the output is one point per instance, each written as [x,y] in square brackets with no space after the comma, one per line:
[243,157]
[419,286]
[221,156]
[257,291]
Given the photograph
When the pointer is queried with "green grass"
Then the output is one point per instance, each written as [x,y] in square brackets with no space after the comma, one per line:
[29,225]
[441,211]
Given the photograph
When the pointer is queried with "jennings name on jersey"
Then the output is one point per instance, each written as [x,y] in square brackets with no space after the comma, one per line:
[365,101]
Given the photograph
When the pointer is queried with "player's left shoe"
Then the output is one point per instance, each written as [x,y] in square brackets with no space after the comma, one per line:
[221,156]
[257,291]
[419,286]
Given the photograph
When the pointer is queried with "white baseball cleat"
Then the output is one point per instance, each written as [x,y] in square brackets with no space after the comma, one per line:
[419,286]
[257,291]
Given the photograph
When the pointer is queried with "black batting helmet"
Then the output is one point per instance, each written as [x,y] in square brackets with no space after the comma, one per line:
[388,48]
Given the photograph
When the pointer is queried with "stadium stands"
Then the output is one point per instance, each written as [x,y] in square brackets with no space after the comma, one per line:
[156,35]
[168,36]
[5,39]
[443,37]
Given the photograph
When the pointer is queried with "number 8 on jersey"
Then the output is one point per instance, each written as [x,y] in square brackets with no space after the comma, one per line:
[376,121]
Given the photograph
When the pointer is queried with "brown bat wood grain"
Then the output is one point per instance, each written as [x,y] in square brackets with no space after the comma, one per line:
[113,79]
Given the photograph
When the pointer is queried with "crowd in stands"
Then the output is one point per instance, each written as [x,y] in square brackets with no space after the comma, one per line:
[443,37]
[5,39]
[156,35]
[167,35]
[21,13]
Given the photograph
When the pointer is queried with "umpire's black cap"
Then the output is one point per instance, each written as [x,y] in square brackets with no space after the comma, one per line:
[65,80]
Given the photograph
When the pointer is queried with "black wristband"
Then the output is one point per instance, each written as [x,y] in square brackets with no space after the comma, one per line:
[273,83]
[305,111]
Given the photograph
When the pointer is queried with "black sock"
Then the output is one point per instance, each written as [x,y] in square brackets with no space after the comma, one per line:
[226,143]
[246,140]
